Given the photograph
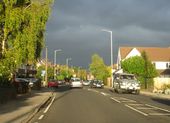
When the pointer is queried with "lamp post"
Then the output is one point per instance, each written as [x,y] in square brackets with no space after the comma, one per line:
[67,60]
[46,66]
[55,51]
[111,53]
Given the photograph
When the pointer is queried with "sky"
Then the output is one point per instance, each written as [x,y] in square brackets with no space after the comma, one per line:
[75,27]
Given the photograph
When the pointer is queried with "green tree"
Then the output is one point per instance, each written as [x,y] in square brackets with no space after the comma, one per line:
[149,70]
[98,68]
[142,67]
[133,65]
[22,27]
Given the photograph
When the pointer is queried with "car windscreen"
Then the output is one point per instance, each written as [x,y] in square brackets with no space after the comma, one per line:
[74,80]
[131,77]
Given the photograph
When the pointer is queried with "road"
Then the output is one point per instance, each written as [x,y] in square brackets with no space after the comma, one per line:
[103,106]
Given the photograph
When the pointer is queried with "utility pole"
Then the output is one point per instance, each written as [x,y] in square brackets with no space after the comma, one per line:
[55,51]
[46,67]
[67,60]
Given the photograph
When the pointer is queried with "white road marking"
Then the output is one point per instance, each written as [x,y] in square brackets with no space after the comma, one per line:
[135,104]
[115,100]
[103,93]
[137,110]
[128,101]
[49,105]
[157,108]
[159,114]
[41,117]
[144,108]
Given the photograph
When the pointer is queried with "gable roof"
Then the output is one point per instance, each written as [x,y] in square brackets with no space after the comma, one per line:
[154,53]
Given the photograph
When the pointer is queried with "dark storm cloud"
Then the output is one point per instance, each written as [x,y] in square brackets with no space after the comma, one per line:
[75,26]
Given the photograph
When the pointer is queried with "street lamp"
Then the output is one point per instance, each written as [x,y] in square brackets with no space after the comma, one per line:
[111,52]
[67,60]
[55,51]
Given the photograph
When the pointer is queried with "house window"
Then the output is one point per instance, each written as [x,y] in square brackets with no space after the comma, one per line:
[167,65]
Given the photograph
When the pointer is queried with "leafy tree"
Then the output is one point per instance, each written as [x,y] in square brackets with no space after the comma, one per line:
[149,69]
[134,65]
[98,68]
[142,67]
[22,26]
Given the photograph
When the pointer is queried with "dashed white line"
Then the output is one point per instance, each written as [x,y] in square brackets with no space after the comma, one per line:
[103,93]
[115,100]
[41,117]
[96,91]
[137,110]
[49,105]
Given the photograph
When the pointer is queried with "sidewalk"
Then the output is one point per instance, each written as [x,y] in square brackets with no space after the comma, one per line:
[21,109]
[147,93]
[156,95]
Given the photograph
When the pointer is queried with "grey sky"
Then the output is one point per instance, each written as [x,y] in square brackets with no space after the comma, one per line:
[75,27]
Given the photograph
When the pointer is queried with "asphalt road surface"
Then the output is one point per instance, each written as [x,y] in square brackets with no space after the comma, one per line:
[103,106]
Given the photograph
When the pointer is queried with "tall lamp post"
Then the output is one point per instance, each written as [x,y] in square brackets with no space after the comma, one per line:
[111,52]
[55,51]
[67,60]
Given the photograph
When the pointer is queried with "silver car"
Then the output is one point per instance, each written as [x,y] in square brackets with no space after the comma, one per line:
[76,83]
[124,82]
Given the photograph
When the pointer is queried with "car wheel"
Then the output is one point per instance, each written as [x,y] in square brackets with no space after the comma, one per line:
[119,91]
[137,92]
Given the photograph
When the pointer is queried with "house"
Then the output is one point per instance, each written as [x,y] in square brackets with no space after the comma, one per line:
[160,57]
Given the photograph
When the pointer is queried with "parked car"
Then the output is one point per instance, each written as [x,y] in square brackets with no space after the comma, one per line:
[96,84]
[53,83]
[86,83]
[124,82]
[76,83]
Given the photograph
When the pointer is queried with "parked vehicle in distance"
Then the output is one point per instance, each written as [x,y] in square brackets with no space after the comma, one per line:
[96,84]
[86,83]
[53,83]
[76,83]
[124,82]
[60,82]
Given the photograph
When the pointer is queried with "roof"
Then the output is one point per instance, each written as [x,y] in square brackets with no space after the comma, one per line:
[154,53]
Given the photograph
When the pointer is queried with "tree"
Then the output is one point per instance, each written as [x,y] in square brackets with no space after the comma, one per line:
[142,67]
[149,69]
[22,26]
[133,65]
[98,68]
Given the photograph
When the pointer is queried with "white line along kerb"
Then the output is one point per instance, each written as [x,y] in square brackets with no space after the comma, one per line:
[49,105]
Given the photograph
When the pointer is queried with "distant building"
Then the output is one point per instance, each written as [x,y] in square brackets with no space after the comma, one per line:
[160,57]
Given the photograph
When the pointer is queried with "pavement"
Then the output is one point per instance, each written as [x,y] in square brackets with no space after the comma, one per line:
[148,93]
[24,107]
